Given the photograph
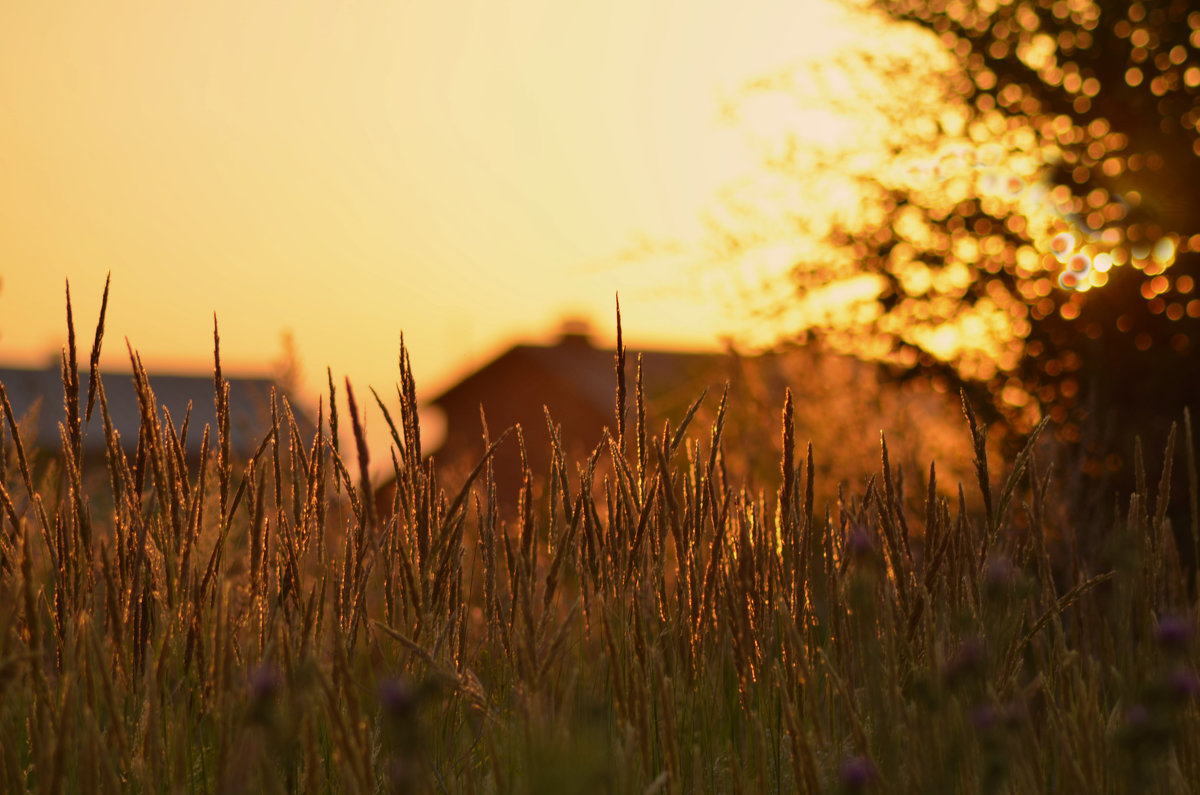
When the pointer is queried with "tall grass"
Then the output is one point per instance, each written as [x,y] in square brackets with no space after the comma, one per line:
[246,626]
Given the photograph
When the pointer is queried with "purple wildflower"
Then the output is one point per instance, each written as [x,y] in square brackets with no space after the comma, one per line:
[999,573]
[967,659]
[984,717]
[1174,632]
[1137,717]
[264,681]
[856,772]
[858,544]
[1013,713]
[396,696]
[1184,683]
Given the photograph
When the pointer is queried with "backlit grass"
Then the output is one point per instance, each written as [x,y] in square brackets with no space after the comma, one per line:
[645,626]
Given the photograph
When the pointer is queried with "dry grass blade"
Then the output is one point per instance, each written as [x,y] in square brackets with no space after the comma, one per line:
[387,417]
[640,401]
[560,553]
[557,643]
[461,496]
[22,461]
[8,541]
[1065,601]
[1016,473]
[714,442]
[70,379]
[466,683]
[640,533]
[659,784]
[221,407]
[364,461]
[681,431]
[560,484]
[931,527]
[1193,489]
[1163,498]
[333,423]
[787,467]
[626,483]
[979,450]
[408,408]
[94,359]
[619,363]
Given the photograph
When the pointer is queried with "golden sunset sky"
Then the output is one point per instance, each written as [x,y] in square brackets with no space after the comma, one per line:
[467,173]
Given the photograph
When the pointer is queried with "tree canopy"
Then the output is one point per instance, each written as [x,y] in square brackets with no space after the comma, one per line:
[1027,202]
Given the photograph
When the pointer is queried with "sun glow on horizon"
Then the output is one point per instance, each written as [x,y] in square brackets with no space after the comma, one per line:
[463,173]
[322,167]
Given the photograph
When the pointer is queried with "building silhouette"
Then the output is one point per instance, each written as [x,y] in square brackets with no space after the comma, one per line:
[37,400]
[840,404]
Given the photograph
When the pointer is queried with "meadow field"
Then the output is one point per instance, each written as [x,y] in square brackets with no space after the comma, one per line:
[640,624]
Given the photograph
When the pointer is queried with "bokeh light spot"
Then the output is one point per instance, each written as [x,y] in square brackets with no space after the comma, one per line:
[1062,245]
[1164,250]
[1080,264]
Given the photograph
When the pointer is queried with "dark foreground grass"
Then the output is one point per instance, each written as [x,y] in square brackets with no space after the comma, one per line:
[252,626]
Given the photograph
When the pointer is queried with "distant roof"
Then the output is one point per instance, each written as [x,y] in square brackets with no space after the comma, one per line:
[42,391]
[591,371]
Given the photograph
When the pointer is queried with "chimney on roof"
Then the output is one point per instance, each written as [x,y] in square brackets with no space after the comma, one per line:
[575,332]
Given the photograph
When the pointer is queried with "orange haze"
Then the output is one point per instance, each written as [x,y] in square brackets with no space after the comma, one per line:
[465,172]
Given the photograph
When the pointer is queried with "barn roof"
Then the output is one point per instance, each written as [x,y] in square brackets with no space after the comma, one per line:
[589,372]
[38,395]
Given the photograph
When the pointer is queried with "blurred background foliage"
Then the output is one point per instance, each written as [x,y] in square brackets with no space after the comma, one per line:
[1001,201]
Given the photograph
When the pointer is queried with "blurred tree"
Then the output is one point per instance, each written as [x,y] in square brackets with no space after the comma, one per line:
[1110,88]
[1028,229]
